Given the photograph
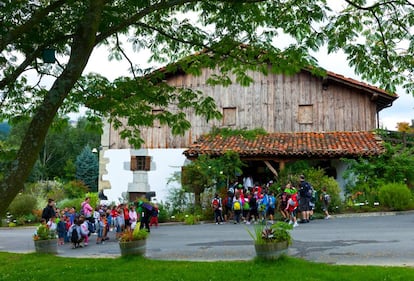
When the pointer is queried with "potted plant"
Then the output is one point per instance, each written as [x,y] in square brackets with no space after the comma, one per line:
[133,242]
[271,241]
[45,240]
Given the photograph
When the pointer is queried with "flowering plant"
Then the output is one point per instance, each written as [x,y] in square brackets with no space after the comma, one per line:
[44,233]
[137,234]
[265,234]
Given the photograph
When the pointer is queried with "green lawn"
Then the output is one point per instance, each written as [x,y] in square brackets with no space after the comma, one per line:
[24,267]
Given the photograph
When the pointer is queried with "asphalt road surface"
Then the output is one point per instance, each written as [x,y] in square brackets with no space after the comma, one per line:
[358,240]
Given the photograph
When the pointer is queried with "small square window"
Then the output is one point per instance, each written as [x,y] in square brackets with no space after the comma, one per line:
[229,116]
[140,163]
[305,114]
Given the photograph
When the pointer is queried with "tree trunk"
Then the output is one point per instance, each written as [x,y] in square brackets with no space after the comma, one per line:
[81,49]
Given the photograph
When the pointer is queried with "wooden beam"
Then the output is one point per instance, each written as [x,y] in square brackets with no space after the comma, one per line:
[282,165]
[271,168]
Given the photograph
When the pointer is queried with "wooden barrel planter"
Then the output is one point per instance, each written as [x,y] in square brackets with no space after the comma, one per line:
[46,246]
[271,250]
[136,248]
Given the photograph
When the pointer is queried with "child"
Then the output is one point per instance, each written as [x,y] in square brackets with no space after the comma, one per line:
[75,235]
[61,230]
[101,229]
[271,206]
[326,199]
[84,230]
[133,217]
[292,206]
[283,198]
[51,224]
[154,216]
[237,208]
[113,218]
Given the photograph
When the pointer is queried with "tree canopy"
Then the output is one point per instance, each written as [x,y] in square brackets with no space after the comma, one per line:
[375,35]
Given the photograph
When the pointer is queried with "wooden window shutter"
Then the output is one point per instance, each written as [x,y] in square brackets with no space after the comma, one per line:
[134,164]
[147,166]
[184,177]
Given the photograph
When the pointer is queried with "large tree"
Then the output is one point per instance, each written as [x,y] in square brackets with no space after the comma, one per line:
[376,37]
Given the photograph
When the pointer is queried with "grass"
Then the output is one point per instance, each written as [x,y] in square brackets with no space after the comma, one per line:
[25,267]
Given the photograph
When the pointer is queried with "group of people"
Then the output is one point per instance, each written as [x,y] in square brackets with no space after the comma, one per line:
[76,226]
[257,204]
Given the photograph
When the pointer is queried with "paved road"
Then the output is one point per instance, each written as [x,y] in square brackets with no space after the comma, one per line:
[374,240]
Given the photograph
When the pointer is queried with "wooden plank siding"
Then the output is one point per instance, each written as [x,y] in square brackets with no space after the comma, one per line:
[272,103]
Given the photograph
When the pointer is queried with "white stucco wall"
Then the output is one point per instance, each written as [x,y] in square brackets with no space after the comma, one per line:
[117,174]
[164,163]
[340,167]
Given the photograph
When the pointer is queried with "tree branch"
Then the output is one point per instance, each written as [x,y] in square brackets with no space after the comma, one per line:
[118,46]
[134,19]
[373,6]
[38,16]
[10,79]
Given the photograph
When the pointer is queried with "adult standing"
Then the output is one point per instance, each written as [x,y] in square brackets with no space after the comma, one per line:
[86,208]
[49,210]
[145,211]
[305,193]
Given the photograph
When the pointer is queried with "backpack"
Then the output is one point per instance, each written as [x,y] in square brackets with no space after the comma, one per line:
[75,235]
[272,202]
[314,196]
[236,205]
[229,202]
[91,227]
[309,191]
[326,198]
[216,203]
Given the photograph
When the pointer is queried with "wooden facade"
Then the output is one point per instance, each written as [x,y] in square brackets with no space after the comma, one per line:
[277,103]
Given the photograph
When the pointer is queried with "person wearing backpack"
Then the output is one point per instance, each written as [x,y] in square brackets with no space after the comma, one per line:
[271,206]
[253,213]
[75,235]
[228,206]
[305,194]
[237,208]
[217,209]
[292,206]
[325,198]
[84,230]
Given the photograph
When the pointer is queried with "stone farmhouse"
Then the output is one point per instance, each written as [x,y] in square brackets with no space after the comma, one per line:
[309,117]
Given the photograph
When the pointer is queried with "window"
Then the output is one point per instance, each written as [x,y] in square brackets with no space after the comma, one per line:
[305,114]
[140,163]
[229,116]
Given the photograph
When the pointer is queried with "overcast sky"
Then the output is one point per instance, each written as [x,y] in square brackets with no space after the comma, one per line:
[401,111]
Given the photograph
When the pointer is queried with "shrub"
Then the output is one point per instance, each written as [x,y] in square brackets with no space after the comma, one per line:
[76,202]
[190,219]
[22,205]
[162,213]
[318,180]
[396,196]
[75,189]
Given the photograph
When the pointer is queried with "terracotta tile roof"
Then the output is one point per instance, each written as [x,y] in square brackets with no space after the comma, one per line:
[292,145]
